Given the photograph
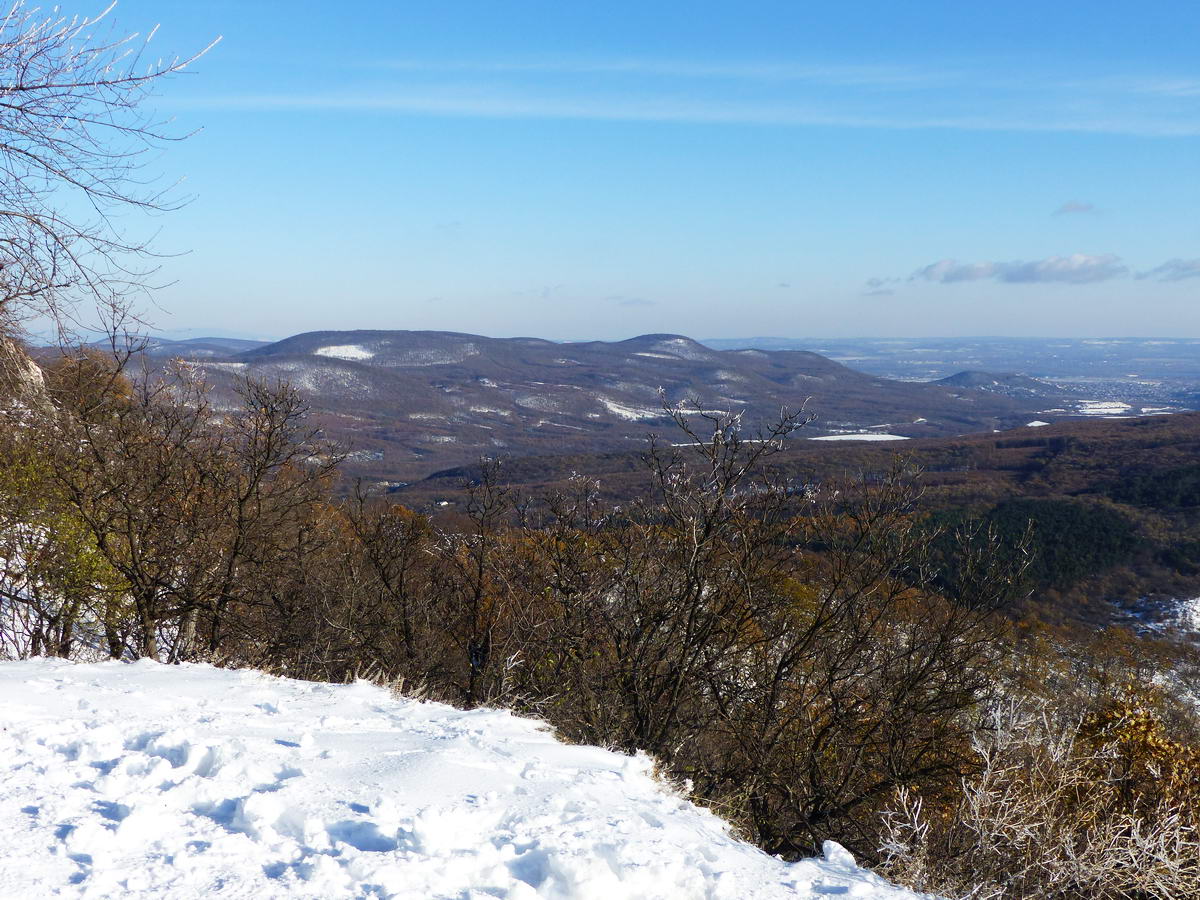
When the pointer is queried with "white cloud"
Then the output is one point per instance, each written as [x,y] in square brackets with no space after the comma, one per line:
[1174,270]
[1078,268]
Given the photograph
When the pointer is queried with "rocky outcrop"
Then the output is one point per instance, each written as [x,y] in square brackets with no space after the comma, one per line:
[21,379]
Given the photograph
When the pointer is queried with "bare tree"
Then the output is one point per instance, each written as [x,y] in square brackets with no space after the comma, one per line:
[188,505]
[478,598]
[74,137]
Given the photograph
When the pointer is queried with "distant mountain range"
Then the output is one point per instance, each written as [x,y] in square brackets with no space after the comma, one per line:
[196,348]
[409,403]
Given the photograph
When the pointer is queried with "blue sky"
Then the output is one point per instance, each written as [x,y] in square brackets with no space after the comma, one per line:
[599,170]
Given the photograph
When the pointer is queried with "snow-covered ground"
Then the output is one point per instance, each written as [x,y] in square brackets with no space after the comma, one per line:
[1102,407]
[631,413]
[345,351]
[870,436]
[1187,615]
[139,780]
[1167,616]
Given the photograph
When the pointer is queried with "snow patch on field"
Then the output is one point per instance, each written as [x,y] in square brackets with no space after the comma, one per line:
[323,377]
[875,436]
[345,351]
[539,402]
[1103,407]
[1187,615]
[682,348]
[143,780]
[433,356]
[1036,423]
[631,413]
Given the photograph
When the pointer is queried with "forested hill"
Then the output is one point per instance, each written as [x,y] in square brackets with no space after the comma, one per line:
[1115,502]
[408,403]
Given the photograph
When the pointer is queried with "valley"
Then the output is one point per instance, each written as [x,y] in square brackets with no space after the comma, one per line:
[408,404]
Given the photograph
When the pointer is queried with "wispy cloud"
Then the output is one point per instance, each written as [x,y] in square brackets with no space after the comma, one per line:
[733,92]
[880,287]
[1078,268]
[876,283]
[1075,207]
[1174,270]
[633,302]
[1149,86]
[488,101]
[837,75]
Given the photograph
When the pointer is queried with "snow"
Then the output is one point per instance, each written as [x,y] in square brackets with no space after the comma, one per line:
[435,356]
[326,377]
[631,413]
[1036,423]
[492,410]
[1102,407]
[876,436]
[539,402]
[140,780]
[1187,615]
[345,351]
[682,348]
[1166,614]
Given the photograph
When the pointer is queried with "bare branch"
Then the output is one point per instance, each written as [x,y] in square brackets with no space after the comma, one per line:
[74,137]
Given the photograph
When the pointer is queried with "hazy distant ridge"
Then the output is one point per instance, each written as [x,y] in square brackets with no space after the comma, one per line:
[411,402]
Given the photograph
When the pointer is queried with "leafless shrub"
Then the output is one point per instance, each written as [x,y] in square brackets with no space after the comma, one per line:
[1058,809]
[802,659]
[186,503]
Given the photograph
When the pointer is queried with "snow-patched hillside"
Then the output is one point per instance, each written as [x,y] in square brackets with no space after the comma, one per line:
[143,780]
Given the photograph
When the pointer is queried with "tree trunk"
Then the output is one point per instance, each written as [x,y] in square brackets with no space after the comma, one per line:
[112,634]
[149,628]
[187,628]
